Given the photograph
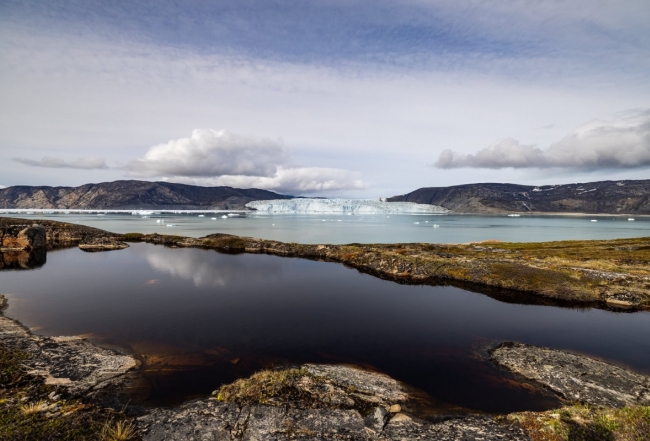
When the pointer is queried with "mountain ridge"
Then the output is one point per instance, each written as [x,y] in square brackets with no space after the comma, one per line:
[132,194]
[601,197]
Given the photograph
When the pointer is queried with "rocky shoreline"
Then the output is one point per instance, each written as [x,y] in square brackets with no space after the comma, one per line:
[605,274]
[68,377]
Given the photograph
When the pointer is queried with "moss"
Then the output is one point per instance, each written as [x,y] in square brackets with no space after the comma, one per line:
[133,237]
[582,422]
[262,387]
[11,370]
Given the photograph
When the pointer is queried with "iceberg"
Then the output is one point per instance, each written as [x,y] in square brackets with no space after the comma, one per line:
[342,206]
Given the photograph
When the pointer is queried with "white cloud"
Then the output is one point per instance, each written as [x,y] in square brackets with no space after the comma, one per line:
[86,163]
[211,153]
[296,180]
[214,158]
[2,186]
[622,143]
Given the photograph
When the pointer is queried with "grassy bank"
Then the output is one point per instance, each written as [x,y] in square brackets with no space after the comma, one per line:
[611,274]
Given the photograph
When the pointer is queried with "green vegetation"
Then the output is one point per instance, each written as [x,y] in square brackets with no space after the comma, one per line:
[262,387]
[586,423]
[133,237]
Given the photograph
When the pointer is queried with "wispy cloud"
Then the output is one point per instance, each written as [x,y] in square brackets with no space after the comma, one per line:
[85,163]
[618,143]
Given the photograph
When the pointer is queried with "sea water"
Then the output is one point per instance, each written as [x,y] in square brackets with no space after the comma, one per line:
[368,228]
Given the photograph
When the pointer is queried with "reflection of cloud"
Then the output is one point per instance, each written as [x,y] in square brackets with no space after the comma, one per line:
[211,269]
[85,163]
[620,143]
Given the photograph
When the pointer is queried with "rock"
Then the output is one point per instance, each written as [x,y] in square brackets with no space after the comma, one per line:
[376,419]
[402,427]
[102,244]
[368,386]
[22,237]
[576,378]
[395,408]
[73,363]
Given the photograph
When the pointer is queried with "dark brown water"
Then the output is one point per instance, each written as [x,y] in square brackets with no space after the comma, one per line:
[199,318]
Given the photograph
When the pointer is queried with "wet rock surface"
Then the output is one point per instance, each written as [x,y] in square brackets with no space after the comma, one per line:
[73,363]
[574,377]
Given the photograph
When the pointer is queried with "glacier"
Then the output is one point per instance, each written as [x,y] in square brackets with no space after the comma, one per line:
[342,206]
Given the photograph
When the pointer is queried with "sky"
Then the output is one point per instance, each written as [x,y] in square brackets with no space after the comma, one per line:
[339,98]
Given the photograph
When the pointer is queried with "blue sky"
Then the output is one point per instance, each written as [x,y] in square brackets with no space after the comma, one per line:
[340,98]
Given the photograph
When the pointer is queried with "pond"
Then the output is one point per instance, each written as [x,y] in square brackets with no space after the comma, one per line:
[198,319]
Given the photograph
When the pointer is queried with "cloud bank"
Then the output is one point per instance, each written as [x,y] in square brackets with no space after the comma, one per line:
[621,143]
[211,153]
[85,163]
[214,158]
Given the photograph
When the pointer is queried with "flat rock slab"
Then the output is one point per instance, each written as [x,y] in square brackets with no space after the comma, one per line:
[102,244]
[373,385]
[575,377]
[73,363]
[212,420]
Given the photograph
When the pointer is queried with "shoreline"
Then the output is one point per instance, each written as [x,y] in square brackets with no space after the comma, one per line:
[308,402]
[606,274]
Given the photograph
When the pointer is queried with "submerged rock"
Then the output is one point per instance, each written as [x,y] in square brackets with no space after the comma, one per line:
[72,363]
[575,377]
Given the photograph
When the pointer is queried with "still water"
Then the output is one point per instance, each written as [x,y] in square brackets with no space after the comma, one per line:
[338,229]
[199,318]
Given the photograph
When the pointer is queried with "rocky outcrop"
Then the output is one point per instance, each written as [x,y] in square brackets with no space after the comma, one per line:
[615,197]
[323,402]
[53,234]
[73,364]
[575,378]
[22,237]
[102,244]
[133,195]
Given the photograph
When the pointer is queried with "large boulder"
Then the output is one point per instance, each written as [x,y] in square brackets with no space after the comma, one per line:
[22,237]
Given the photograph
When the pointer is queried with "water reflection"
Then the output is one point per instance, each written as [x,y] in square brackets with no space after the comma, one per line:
[22,260]
[198,319]
[203,272]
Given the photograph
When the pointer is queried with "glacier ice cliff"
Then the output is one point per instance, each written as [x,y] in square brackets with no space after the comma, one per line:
[345,206]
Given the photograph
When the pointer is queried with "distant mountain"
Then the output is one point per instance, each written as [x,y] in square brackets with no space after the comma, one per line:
[625,197]
[133,195]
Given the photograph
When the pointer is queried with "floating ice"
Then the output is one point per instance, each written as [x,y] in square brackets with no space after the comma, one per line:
[594,220]
[213,218]
[347,206]
[630,219]
[224,217]
[201,215]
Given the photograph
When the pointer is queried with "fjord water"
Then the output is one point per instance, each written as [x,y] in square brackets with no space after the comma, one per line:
[198,319]
[340,229]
